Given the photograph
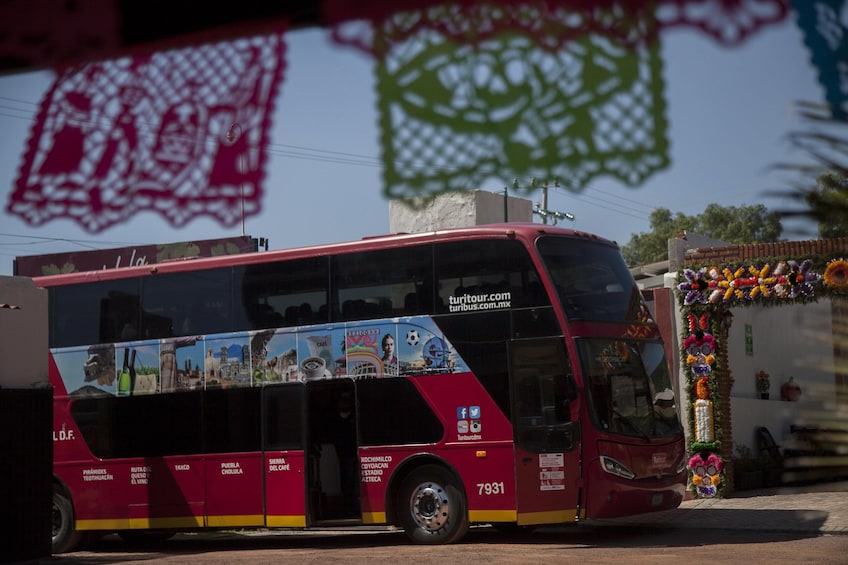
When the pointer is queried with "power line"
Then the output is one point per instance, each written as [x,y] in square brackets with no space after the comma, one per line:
[586,199]
[80,242]
[630,200]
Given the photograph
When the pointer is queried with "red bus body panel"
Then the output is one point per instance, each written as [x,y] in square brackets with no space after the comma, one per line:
[501,482]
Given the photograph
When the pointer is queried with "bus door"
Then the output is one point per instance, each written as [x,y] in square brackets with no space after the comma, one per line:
[284,446]
[546,432]
[332,452]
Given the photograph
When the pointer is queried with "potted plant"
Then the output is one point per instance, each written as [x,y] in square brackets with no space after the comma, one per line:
[763,384]
[790,390]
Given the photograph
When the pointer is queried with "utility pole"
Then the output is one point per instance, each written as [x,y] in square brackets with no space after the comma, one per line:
[544,212]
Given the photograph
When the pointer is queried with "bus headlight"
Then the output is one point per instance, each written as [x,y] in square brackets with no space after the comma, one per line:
[614,467]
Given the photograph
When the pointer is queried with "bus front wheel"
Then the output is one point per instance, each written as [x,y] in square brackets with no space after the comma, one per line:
[65,536]
[431,507]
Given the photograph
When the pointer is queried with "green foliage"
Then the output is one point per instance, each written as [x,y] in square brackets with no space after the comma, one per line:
[652,246]
[743,224]
[828,204]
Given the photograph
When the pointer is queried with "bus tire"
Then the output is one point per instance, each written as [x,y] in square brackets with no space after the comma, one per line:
[65,536]
[431,507]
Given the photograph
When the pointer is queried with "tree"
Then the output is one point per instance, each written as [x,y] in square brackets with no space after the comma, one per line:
[827,144]
[743,224]
[828,204]
[653,246]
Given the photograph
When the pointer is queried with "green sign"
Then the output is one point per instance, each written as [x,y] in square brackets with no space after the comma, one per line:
[749,340]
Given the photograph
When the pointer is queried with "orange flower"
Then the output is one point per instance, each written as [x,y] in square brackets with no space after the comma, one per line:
[836,275]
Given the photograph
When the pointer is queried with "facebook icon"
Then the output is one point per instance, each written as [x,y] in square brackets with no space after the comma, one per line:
[461,413]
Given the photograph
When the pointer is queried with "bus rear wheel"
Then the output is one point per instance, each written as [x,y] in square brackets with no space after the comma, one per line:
[431,506]
[65,536]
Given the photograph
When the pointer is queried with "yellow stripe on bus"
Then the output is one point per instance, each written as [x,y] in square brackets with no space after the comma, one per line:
[173,522]
[551,517]
[232,521]
[491,515]
[141,523]
[299,521]
[373,517]
[286,521]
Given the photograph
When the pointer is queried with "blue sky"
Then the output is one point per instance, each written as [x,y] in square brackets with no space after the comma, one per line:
[730,111]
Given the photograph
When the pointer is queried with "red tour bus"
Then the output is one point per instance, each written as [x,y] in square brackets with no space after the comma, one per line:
[504,374]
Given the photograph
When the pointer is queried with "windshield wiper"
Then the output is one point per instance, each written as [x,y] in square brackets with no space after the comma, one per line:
[631,424]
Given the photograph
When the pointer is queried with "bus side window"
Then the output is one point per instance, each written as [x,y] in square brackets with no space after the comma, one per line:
[283,293]
[374,284]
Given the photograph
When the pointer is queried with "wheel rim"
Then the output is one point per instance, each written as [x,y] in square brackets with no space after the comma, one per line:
[430,507]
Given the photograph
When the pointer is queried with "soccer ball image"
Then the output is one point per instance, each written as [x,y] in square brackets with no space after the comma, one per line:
[412,337]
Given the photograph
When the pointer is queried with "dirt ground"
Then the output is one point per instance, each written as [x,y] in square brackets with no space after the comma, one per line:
[482,545]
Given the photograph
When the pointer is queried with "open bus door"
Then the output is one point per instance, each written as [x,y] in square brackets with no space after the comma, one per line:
[546,432]
[332,460]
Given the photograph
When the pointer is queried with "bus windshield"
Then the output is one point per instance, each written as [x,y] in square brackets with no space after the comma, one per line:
[592,280]
[629,387]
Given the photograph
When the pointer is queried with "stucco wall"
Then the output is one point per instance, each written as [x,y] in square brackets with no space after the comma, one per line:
[458,209]
[792,340]
[23,334]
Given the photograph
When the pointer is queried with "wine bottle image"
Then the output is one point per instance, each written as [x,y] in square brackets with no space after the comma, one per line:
[124,382]
[132,372]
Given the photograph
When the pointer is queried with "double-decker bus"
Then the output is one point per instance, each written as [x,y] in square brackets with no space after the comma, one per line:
[508,374]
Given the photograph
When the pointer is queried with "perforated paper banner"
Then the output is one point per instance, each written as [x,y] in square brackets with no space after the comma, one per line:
[452,115]
[551,23]
[180,133]
[826,35]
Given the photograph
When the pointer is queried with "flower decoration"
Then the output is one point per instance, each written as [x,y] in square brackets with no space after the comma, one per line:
[699,285]
[836,276]
[798,280]
[763,383]
[702,389]
[786,280]
[699,346]
[706,473]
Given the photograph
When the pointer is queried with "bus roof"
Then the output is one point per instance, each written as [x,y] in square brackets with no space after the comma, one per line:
[525,231]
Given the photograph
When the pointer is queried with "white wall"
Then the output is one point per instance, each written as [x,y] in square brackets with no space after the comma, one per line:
[792,340]
[458,209]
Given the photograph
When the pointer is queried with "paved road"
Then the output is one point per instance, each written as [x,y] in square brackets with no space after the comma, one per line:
[786,525]
[821,508]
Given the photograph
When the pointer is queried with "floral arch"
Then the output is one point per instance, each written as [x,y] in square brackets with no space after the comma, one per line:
[708,287]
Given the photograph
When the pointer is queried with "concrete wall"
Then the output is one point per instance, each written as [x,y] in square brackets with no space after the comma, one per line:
[26,406]
[458,209]
[787,341]
[23,334]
